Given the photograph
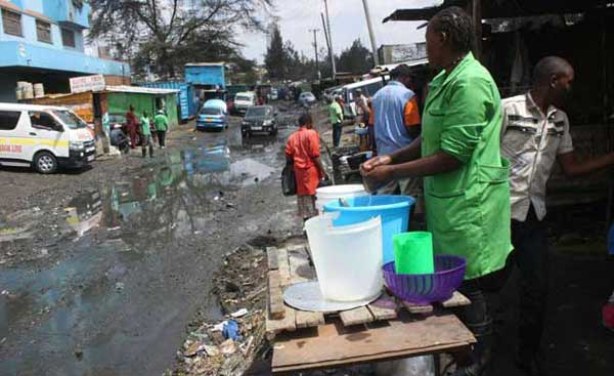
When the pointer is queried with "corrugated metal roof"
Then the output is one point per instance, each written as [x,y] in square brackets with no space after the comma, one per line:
[139,90]
[205,64]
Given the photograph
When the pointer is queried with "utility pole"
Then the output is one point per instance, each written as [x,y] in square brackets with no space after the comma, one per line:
[315,46]
[371,33]
[330,41]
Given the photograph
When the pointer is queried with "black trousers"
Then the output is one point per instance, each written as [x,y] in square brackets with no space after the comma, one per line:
[337,134]
[531,257]
[478,317]
[162,138]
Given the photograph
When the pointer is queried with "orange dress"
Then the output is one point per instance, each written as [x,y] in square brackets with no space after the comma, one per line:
[303,146]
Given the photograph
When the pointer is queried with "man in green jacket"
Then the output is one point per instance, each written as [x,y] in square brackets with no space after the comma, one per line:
[161,124]
[146,140]
[466,182]
[336,118]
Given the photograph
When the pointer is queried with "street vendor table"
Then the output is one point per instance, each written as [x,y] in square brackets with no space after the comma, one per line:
[304,341]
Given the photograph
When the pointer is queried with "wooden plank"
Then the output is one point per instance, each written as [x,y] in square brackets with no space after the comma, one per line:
[457,300]
[418,308]
[276,299]
[306,319]
[360,315]
[337,346]
[287,324]
[273,260]
[284,267]
[384,308]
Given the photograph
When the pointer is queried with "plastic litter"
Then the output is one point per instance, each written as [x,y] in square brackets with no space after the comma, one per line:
[240,313]
[231,330]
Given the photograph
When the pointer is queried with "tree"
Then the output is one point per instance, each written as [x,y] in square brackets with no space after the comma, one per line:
[163,35]
[275,59]
[357,59]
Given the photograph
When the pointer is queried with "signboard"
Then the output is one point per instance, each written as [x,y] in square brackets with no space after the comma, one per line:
[87,83]
[399,53]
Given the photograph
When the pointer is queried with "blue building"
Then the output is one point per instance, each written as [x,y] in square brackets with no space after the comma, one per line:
[41,41]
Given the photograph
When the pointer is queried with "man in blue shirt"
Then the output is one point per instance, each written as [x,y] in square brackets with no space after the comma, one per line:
[397,124]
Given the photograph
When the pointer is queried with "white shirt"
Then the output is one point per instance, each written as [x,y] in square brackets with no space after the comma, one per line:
[532,141]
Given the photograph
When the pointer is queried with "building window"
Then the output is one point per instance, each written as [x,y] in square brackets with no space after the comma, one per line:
[43,31]
[68,38]
[11,22]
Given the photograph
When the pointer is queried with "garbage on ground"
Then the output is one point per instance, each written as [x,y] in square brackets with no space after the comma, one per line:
[240,313]
[227,346]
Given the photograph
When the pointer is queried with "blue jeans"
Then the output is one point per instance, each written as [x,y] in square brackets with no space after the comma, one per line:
[336,134]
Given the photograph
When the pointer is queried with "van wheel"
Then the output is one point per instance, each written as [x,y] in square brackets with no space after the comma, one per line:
[45,163]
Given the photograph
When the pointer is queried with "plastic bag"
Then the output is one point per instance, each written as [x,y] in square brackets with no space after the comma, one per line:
[417,366]
[288,180]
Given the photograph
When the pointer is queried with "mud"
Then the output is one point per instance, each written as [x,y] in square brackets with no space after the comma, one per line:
[102,270]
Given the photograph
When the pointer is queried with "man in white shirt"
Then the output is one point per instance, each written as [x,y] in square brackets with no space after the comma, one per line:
[535,134]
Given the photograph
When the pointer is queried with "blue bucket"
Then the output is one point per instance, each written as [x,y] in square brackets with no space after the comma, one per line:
[393,209]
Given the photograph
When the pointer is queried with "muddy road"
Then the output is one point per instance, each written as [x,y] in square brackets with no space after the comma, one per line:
[101,271]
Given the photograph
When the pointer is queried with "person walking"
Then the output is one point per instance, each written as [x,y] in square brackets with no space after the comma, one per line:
[397,124]
[146,140]
[535,135]
[303,151]
[466,182]
[132,125]
[336,118]
[161,124]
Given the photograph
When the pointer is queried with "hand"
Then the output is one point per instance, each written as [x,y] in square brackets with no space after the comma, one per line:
[379,175]
[381,160]
[324,177]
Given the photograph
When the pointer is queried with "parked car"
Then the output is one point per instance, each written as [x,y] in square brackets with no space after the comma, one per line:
[243,101]
[307,99]
[44,138]
[213,115]
[259,119]
[274,95]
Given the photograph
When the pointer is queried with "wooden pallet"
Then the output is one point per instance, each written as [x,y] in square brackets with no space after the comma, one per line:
[290,265]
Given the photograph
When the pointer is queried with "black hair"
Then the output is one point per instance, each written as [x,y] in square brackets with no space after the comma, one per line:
[457,27]
[305,119]
[401,70]
[550,66]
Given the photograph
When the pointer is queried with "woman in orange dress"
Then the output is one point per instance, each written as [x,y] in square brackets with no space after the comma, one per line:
[303,151]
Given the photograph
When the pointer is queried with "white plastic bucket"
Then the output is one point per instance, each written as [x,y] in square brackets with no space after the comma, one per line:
[325,195]
[347,259]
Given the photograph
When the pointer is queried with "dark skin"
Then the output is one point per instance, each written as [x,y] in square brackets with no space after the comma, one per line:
[407,162]
[553,93]
[317,161]
[413,131]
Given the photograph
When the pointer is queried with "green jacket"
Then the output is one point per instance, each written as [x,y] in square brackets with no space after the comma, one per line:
[145,128]
[468,209]
[161,122]
[335,113]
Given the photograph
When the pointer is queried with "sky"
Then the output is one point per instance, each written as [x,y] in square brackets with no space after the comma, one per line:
[347,19]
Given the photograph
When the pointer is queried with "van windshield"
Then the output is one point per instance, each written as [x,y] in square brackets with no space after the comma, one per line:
[69,119]
[243,98]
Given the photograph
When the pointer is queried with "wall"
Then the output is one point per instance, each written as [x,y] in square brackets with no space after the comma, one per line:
[60,10]
[119,103]
[28,27]
[15,54]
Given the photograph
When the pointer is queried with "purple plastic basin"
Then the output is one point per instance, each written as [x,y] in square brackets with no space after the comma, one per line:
[427,288]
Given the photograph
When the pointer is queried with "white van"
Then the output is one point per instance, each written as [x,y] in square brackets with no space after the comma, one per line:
[243,101]
[44,137]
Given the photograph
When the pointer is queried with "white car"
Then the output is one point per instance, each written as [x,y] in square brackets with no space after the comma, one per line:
[307,99]
[44,137]
[243,101]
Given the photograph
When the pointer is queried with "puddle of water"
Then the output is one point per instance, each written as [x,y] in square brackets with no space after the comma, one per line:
[121,265]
